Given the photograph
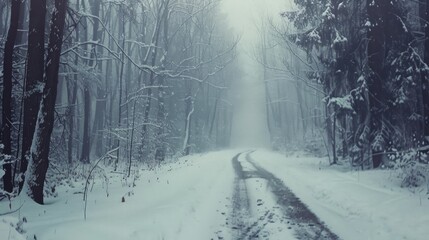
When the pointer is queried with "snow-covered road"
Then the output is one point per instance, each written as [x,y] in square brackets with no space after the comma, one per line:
[277,214]
[255,214]
[234,194]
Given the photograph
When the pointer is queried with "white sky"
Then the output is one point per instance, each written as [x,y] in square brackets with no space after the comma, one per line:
[244,16]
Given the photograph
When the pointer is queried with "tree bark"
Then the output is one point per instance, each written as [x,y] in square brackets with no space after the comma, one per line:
[39,161]
[34,78]
[86,138]
[7,93]
[376,48]
[214,115]
[86,147]
[189,105]
[425,81]
[73,86]
[148,104]
[121,78]
[160,148]
[334,138]
[100,104]
[161,116]
[70,119]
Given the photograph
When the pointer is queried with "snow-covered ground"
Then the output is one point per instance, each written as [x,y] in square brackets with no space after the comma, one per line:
[354,205]
[194,199]
[185,200]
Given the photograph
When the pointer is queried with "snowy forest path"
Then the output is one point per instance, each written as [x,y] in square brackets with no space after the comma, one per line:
[265,208]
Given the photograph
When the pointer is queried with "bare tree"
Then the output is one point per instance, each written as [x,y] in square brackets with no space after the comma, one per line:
[34,77]
[7,93]
[39,158]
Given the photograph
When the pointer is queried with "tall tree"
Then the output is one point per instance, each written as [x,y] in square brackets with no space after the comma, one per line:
[39,155]
[153,53]
[426,75]
[100,104]
[72,97]
[376,47]
[7,93]
[34,77]
[87,100]
[160,146]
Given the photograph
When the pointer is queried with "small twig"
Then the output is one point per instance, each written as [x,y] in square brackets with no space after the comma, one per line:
[85,193]
[16,210]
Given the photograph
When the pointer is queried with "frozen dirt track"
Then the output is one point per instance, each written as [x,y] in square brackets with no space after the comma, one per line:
[277,212]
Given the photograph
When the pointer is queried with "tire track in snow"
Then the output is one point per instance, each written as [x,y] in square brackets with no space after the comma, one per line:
[240,200]
[305,223]
[246,224]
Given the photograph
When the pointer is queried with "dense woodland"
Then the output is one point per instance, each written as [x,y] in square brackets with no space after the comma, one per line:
[360,70]
[128,82]
[140,81]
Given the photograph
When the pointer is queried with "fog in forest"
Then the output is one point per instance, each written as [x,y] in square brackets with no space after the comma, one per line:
[214,119]
[247,18]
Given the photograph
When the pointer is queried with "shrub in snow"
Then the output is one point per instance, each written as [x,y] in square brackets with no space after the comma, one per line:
[412,172]
[415,176]
[315,146]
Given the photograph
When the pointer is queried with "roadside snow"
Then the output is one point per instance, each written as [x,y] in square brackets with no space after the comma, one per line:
[191,199]
[354,205]
[9,227]
[184,200]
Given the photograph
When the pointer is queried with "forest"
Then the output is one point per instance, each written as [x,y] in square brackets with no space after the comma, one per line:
[370,61]
[359,70]
[146,79]
[98,89]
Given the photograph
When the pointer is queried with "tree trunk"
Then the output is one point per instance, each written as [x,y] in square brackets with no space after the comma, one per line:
[376,47]
[334,138]
[155,42]
[298,86]
[39,152]
[72,101]
[86,138]
[189,102]
[121,76]
[86,147]
[161,117]
[214,115]
[132,138]
[7,93]
[34,77]
[425,81]
[2,7]
[70,119]
[344,135]
[100,104]
[160,148]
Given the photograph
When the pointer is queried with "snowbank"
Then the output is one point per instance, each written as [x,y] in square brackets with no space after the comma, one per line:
[184,200]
